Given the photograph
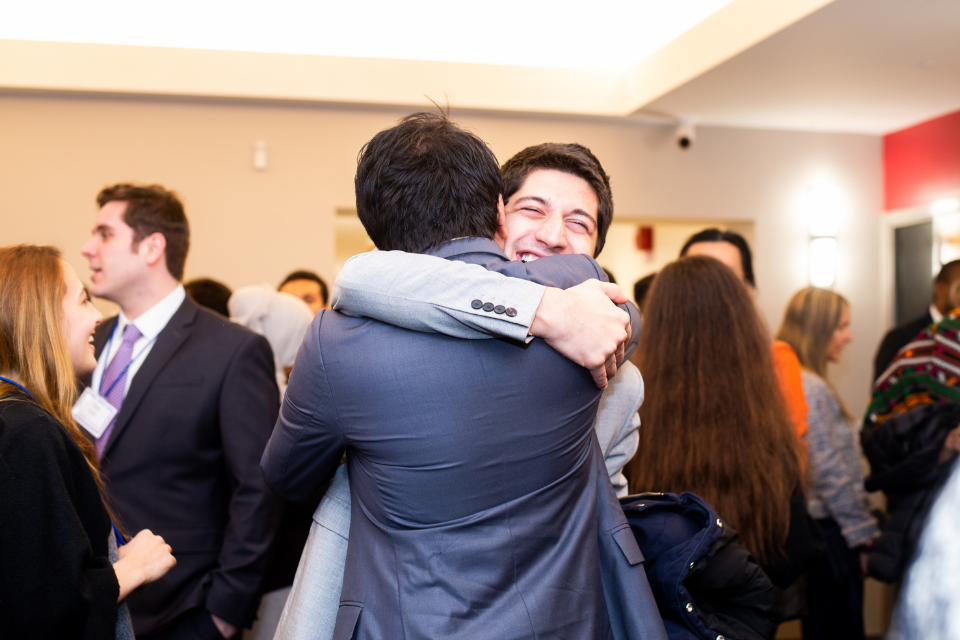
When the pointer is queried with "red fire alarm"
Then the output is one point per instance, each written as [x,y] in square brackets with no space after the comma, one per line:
[645,238]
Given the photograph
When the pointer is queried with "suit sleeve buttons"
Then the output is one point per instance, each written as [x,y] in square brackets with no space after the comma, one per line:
[487,306]
[476,304]
[511,312]
[499,308]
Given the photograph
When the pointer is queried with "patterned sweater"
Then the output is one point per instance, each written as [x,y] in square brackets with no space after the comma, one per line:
[834,470]
[925,371]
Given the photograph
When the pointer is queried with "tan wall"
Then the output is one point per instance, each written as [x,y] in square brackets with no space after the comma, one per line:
[57,151]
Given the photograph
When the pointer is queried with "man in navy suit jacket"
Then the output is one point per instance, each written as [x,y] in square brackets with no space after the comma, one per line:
[199,401]
[478,486]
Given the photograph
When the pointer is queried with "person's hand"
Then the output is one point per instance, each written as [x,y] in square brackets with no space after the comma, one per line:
[951,446]
[144,559]
[584,325]
[622,349]
[226,629]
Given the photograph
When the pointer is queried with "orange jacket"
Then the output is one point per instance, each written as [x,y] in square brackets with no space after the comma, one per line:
[787,366]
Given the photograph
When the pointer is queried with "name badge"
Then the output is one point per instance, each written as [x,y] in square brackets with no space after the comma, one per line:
[93,412]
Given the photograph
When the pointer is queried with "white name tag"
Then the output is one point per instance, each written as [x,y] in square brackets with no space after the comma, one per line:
[93,412]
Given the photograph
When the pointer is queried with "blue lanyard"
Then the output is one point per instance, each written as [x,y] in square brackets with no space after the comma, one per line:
[106,350]
[119,536]
[18,386]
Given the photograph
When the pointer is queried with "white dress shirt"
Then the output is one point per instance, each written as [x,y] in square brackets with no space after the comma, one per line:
[150,324]
[935,314]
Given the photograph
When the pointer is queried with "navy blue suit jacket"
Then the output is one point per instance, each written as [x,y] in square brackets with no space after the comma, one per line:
[182,462]
[481,505]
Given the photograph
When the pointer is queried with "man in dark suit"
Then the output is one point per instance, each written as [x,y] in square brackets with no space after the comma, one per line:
[898,337]
[481,507]
[196,400]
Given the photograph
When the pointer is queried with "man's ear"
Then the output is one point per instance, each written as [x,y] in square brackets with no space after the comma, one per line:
[152,248]
[501,220]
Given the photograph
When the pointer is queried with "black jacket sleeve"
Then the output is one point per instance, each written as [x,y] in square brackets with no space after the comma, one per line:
[805,543]
[249,402]
[56,580]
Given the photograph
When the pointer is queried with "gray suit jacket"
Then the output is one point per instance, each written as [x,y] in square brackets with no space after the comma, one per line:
[427,293]
[478,486]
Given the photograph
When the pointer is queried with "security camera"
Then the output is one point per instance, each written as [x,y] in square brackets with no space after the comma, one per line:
[685,134]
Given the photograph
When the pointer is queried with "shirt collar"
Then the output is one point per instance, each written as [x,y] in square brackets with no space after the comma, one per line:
[935,314]
[462,246]
[153,320]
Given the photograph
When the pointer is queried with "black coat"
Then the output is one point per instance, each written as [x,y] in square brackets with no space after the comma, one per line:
[903,452]
[183,460]
[705,582]
[56,579]
[896,339]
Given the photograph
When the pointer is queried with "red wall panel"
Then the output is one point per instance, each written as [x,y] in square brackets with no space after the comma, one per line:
[921,164]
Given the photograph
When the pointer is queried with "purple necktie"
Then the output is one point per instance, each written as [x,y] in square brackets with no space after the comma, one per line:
[115,379]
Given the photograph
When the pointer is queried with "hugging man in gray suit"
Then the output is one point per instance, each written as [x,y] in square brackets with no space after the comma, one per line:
[478,485]
[557,201]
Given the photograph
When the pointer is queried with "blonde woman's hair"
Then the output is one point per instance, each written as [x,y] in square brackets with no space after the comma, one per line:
[33,344]
[809,322]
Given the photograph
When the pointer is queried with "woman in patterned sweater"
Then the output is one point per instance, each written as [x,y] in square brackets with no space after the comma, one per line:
[816,325]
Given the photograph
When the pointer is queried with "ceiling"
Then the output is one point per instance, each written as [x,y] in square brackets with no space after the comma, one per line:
[862,66]
[209,48]
[612,35]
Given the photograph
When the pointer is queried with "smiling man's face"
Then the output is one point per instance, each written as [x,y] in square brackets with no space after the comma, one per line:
[552,213]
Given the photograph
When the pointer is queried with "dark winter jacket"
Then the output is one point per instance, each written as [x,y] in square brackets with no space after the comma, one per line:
[903,452]
[707,585]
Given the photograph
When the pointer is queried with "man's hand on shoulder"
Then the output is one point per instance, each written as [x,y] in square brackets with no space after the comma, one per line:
[584,325]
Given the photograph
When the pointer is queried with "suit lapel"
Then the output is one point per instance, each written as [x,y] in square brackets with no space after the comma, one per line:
[169,341]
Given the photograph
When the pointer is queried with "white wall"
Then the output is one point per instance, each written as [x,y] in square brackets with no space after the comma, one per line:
[57,151]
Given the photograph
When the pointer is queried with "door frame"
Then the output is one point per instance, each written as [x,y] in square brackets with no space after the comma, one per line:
[889,223]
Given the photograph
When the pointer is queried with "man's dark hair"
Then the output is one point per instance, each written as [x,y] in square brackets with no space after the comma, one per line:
[425,182]
[210,294]
[716,235]
[153,209]
[570,158]
[640,289]
[945,271]
[307,275]
[610,278]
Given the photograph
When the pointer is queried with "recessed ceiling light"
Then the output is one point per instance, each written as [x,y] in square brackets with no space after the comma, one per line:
[927,64]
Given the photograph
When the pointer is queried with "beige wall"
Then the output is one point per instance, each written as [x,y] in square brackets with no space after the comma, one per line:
[57,151]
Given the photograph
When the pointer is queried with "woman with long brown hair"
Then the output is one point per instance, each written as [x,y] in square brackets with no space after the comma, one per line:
[714,421]
[817,325]
[61,572]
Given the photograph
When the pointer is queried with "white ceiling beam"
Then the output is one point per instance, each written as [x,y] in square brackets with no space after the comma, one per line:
[121,69]
[731,30]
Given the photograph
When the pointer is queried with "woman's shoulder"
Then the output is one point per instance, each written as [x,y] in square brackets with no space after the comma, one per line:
[814,384]
[821,401]
[26,428]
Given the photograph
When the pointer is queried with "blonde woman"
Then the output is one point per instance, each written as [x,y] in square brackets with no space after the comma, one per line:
[816,325]
[62,574]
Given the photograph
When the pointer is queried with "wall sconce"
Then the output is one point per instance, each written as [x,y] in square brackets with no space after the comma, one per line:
[823,261]
[823,207]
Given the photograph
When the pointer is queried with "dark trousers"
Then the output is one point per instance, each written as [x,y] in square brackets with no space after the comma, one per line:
[834,591]
[195,624]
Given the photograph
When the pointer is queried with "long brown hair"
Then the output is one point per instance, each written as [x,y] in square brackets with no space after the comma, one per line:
[33,344]
[809,322]
[714,421]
